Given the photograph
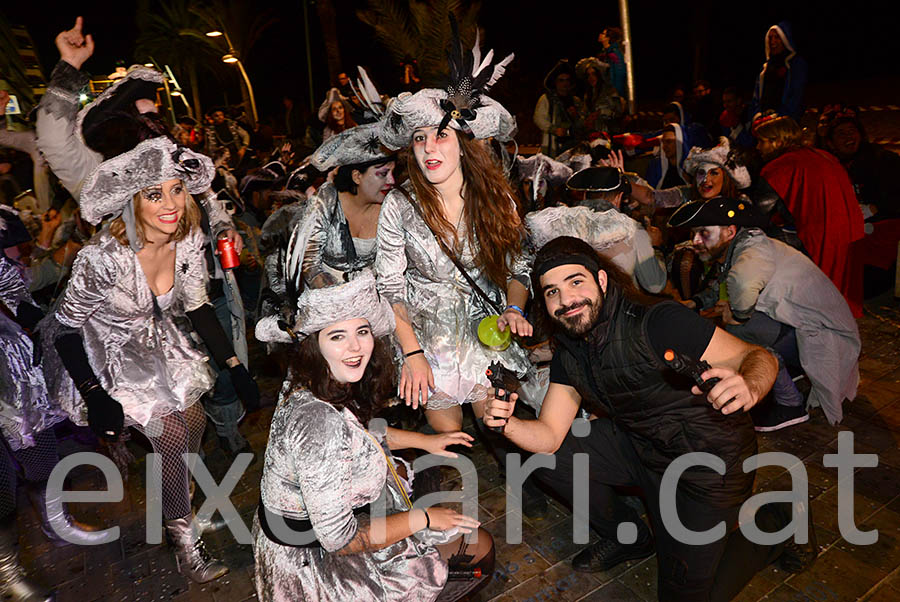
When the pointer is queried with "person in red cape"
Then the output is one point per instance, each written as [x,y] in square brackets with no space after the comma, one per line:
[818,194]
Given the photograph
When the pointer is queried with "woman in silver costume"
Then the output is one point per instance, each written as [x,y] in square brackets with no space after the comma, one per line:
[335,521]
[458,205]
[120,328]
[337,230]
[27,416]
[336,233]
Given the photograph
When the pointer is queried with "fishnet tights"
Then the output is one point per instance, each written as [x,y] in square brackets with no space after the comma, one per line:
[172,436]
[36,462]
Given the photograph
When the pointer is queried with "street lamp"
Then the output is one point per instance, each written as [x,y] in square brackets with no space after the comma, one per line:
[232,57]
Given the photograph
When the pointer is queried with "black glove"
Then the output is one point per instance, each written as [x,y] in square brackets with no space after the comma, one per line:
[245,387]
[105,415]
[37,352]
[27,315]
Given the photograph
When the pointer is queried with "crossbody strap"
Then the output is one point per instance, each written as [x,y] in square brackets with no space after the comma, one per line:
[471,281]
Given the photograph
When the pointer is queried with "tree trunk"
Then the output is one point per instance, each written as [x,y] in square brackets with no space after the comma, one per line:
[195,90]
[328,21]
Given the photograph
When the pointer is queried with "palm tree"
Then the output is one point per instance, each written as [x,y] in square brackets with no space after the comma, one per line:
[421,29]
[160,39]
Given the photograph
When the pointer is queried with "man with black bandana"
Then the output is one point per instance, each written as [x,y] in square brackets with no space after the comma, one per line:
[611,344]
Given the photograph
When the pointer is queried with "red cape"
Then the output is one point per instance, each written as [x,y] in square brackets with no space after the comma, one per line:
[818,193]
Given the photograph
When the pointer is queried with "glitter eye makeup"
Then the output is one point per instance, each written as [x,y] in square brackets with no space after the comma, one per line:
[154,195]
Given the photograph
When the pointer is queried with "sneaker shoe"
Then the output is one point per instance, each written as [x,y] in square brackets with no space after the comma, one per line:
[773,417]
[607,553]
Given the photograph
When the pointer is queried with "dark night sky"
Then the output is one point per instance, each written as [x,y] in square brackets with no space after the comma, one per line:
[845,45]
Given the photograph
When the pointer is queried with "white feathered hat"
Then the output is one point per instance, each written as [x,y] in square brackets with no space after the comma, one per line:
[462,105]
[721,155]
[600,229]
[318,308]
[113,183]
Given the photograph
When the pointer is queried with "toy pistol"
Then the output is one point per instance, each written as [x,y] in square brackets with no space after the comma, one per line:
[684,365]
[495,376]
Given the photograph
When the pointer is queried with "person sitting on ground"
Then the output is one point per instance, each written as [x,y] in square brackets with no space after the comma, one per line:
[777,298]
[873,170]
[611,358]
[819,196]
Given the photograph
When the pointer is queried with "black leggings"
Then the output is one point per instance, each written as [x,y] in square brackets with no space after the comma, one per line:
[36,464]
[172,436]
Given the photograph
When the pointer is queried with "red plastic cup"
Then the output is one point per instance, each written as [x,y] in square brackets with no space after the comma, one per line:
[227,255]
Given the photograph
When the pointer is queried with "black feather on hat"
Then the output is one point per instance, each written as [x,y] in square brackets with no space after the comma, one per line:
[469,77]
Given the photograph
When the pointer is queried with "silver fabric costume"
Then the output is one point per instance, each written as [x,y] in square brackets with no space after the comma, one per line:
[320,464]
[443,309]
[330,255]
[142,357]
[25,407]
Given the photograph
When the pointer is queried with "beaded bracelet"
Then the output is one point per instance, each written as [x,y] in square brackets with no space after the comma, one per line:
[516,308]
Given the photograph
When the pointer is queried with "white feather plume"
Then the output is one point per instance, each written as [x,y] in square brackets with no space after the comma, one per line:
[499,70]
[476,50]
[487,61]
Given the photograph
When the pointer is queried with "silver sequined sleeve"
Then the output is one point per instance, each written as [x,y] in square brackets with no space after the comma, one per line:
[219,219]
[93,278]
[314,230]
[326,493]
[390,259]
[12,288]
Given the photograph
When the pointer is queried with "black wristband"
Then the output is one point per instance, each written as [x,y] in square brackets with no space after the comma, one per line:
[427,519]
[412,353]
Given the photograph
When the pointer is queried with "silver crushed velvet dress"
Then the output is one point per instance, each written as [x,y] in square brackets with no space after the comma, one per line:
[142,354]
[25,407]
[321,464]
[330,251]
[444,310]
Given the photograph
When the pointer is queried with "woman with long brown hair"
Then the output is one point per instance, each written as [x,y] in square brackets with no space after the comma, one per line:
[450,242]
[329,474]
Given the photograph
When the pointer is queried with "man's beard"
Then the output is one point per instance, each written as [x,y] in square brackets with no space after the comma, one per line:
[580,324]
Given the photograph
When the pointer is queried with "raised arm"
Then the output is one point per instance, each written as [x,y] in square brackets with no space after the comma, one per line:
[69,158]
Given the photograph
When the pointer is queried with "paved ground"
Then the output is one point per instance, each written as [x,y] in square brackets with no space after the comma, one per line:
[539,568]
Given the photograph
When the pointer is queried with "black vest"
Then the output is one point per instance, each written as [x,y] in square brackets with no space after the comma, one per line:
[624,377]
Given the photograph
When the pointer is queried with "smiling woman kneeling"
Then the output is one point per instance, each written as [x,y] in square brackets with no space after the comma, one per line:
[323,470]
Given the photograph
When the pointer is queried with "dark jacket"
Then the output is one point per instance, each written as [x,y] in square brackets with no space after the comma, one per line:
[795,78]
[620,374]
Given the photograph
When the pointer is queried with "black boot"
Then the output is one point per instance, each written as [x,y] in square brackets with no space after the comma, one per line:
[607,553]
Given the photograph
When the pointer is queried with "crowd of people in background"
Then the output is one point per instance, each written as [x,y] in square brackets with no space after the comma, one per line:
[736,229]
